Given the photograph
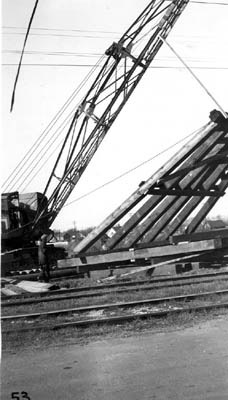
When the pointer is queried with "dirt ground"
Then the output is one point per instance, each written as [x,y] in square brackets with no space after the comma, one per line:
[189,363]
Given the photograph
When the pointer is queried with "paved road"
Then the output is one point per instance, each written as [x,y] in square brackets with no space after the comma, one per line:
[185,364]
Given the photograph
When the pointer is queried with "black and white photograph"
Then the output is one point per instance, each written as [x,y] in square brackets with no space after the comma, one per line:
[114,200]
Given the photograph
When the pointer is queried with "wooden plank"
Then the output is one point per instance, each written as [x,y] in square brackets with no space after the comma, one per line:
[208,160]
[133,222]
[181,248]
[216,233]
[186,192]
[193,203]
[153,227]
[141,229]
[188,208]
[209,147]
[199,151]
[148,267]
[206,207]
[141,253]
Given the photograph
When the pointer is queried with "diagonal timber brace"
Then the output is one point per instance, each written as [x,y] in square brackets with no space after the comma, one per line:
[195,174]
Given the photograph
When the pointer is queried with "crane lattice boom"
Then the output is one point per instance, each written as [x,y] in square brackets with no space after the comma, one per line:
[125,64]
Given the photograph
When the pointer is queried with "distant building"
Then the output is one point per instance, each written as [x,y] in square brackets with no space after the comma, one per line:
[67,236]
[214,224]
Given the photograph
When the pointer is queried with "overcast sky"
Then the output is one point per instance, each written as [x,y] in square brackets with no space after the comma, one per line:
[166,106]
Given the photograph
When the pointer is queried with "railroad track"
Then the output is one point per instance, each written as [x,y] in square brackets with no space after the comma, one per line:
[114,312]
[117,288]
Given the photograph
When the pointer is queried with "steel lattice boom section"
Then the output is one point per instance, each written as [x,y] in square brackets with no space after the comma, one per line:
[190,183]
[125,64]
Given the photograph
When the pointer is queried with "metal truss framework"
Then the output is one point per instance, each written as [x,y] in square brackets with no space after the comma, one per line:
[125,64]
[188,185]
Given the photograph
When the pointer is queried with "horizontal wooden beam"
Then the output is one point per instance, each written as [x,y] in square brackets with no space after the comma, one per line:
[215,233]
[219,158]
[186,192]
[142,253]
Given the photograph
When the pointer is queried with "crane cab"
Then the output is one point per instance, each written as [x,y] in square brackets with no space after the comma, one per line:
[17,215]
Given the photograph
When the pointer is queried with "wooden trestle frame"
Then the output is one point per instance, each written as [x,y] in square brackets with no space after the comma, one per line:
[184,189]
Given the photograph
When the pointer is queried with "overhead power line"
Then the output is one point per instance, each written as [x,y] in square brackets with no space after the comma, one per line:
[52,53]
[58,35]
[65,36]
[189,37]
[91,65]
[60,29]
[95,55]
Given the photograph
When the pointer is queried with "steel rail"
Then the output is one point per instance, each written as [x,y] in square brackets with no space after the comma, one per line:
[137,288]
[117,319]
[113,305]
[117,284]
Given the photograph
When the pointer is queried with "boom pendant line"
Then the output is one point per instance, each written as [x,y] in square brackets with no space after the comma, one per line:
[196,78]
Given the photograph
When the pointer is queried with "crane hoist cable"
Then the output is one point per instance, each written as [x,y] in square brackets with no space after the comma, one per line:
[7,185]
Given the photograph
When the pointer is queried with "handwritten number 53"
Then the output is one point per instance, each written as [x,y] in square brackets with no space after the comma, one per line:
[19,396]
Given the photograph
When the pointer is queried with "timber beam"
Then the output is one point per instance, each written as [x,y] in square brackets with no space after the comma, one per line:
[221,157]
[136,254]
[186,192]
[216,233]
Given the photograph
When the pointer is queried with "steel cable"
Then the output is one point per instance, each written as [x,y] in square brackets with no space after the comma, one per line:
[37,143]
